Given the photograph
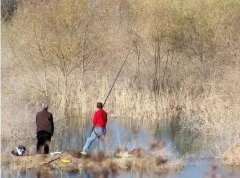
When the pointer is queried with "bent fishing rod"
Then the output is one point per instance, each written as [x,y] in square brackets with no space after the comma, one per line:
[114,82]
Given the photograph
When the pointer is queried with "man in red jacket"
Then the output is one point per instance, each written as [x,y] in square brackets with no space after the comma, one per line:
[99,129]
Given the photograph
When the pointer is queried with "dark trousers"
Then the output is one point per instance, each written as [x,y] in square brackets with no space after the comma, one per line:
[44,139]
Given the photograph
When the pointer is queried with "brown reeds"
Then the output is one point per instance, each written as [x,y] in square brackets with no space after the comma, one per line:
[157,161]
[185,62]
[231,156]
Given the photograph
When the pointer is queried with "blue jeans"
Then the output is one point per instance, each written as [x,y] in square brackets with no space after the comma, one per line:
[97,133]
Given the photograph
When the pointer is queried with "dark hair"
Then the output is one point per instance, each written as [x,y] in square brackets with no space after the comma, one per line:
[99,105]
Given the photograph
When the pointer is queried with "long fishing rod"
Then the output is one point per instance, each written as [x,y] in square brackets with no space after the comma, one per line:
[114,82]
[117,76]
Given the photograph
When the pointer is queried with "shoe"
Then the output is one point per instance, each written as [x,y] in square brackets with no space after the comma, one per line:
[83,153]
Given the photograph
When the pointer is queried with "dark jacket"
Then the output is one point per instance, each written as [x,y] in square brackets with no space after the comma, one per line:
[44,122]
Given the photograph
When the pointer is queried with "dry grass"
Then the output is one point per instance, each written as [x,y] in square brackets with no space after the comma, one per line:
[231,156]
[184,63]
[157,161]
[216,113]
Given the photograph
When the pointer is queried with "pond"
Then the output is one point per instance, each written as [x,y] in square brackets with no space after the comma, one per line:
[199,153]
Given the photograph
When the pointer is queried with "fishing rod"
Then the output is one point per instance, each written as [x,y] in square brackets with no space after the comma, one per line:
[117,77]
[114,82]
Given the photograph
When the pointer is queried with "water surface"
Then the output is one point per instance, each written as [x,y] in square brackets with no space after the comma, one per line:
[199,152]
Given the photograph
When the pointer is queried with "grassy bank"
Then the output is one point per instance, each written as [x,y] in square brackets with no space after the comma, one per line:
[156,160]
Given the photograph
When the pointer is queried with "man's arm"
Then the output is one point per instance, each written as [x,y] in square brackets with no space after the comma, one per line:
[94,119]
[106,118]
[36,118]
[52,123]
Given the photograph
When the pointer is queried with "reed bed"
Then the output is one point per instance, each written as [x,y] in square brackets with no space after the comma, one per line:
[231,156]
[184,62]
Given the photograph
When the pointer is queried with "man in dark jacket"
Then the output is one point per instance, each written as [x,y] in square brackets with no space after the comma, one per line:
[45,129]
[99,121]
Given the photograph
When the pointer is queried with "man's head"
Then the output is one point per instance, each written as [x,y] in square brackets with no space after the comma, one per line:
[44,106]
[99,105]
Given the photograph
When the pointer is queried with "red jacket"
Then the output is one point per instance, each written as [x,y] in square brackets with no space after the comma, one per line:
[100,118]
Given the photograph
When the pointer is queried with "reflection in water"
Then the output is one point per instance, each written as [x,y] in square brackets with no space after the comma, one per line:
[181,140]
[128,134]
[123,133]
